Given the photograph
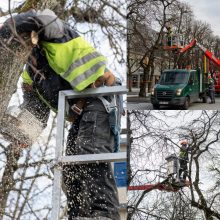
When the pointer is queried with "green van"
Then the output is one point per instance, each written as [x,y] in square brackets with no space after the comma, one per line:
[179,87]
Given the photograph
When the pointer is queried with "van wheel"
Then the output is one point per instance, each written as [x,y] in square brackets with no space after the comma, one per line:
[186,104]
[156,107]
[204,99]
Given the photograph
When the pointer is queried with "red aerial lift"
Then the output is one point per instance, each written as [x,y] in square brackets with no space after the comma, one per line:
[172,183]
[206,52]
[162,186]
[173,42]
[211,57]
[177,45]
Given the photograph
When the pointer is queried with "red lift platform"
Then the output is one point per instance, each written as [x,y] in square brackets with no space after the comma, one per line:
[171,183]
[175,42]
[169,187]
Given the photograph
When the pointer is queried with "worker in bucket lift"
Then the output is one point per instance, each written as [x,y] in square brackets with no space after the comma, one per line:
[183,159]
[169,36]
[60,59]
[211,88]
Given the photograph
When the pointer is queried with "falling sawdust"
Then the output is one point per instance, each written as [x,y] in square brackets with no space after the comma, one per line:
[23,127]
[29,125]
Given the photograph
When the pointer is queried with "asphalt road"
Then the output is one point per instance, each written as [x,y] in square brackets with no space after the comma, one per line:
[146,105]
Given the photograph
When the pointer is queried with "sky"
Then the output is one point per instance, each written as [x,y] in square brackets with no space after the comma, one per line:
[205,10]
[175,120]
[16,100]
[4,4]
[208,11]
[148,154]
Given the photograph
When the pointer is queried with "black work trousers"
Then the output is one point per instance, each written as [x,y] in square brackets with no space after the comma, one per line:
[212,95]
[91,190]
[183,169]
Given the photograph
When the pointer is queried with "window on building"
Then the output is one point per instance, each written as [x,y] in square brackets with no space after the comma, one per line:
[135,81]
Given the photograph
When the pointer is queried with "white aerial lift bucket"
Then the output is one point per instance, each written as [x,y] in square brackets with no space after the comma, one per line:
[29,125]
[172,164]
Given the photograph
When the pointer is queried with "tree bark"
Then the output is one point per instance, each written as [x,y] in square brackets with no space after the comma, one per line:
[11,68]
[143,83]
[203,203]
[7,183]
[129,138]
[150,83]
[12,60]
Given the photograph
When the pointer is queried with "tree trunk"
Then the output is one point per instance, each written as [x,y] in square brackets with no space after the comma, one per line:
[143,83]
[129,77]
[150,83]
[202,201]
[11,68]
[129,82]
[7,183]
[129,132]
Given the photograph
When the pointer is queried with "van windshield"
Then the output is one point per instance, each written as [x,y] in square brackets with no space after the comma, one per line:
[174,78]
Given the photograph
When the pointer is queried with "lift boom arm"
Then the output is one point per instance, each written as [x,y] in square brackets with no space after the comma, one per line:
[147,187]
[207,53]
[162,186]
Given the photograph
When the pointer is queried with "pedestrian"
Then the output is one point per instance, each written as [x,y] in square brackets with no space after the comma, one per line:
[61,59]
[211,88]
[183,159]
[157,79]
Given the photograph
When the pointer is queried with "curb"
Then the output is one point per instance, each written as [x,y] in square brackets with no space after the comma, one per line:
[138,99]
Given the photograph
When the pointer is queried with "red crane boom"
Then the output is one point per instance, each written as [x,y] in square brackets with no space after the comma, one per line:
[163,186]
[206,52]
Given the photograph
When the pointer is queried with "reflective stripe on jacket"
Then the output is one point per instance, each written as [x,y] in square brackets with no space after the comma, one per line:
[76,61]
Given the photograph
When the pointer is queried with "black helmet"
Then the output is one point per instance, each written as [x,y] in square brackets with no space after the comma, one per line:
[21,23]
[45,22]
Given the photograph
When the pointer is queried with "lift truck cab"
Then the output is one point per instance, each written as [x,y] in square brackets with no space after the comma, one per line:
[179,87]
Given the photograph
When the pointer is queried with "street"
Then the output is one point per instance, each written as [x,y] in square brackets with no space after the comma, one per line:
[135,105]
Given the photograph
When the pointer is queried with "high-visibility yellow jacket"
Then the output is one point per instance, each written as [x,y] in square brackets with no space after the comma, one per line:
[76,61]
[74,64]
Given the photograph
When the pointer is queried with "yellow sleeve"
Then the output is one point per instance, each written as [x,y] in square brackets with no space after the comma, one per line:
[26,78]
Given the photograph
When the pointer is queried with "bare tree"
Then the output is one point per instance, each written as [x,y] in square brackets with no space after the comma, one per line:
[143,16]
[147,28]
[19,190]
[156,138]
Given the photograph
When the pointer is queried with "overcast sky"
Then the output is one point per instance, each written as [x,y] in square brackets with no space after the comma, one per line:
[4,4]
[207,10]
